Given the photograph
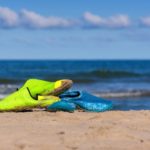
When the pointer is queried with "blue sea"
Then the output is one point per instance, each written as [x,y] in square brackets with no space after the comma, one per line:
[126,83]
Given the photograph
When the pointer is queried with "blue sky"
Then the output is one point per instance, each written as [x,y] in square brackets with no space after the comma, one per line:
[80,29]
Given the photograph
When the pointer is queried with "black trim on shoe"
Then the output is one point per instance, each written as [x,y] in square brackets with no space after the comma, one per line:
[30,94]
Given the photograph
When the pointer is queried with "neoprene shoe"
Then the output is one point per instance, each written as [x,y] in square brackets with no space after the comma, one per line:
[23,100]
[41,87]
[86,101]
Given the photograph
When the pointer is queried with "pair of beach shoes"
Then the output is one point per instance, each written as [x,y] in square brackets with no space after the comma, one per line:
[54,96]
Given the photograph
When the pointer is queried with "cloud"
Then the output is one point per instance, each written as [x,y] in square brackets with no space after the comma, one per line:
[33,20]
[93,20]
[29,19]
[118,21]
[145,21]
[8,18]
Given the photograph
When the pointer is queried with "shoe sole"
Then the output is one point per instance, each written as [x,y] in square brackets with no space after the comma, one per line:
[66,84]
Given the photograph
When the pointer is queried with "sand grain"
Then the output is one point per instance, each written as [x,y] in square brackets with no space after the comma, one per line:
[40,130]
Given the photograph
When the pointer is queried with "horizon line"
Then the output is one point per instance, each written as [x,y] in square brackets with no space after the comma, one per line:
[84,59]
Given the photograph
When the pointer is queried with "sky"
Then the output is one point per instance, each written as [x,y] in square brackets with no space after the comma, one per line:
[79,29]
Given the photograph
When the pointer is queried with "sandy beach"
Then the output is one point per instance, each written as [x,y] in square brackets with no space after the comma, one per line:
[41,130]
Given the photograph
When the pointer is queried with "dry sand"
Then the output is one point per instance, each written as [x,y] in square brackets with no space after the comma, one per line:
[40,130]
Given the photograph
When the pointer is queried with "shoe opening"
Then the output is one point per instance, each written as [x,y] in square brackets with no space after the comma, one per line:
[72,94]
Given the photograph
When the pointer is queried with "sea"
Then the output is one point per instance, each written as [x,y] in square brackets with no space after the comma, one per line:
[125,82]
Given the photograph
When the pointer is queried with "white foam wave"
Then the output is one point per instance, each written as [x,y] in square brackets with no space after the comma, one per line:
[123,94]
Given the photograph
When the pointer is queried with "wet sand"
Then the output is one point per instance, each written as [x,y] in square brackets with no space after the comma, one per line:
[40,130]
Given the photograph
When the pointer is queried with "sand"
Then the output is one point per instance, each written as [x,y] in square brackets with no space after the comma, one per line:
[41,130]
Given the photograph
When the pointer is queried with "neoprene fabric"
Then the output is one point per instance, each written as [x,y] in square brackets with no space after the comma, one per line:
[41,87]
[82,100]
[22,100]
[62,106]
[38,93]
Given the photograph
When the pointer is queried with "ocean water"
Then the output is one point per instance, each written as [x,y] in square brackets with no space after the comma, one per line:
[123,82]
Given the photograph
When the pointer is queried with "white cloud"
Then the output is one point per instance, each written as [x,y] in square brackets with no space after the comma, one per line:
[93,19]
[118,21]
[29,19]
[34,20]
[145,21]
[8,18]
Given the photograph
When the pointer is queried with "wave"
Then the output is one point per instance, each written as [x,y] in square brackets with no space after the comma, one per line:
[92,76]
[77,77]
[8,81]
[136,93]
[111,74]
[124,94]
[3,95]
[6,89]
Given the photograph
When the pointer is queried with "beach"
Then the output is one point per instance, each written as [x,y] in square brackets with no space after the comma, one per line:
[41,130]
[126,127]
[74,75]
